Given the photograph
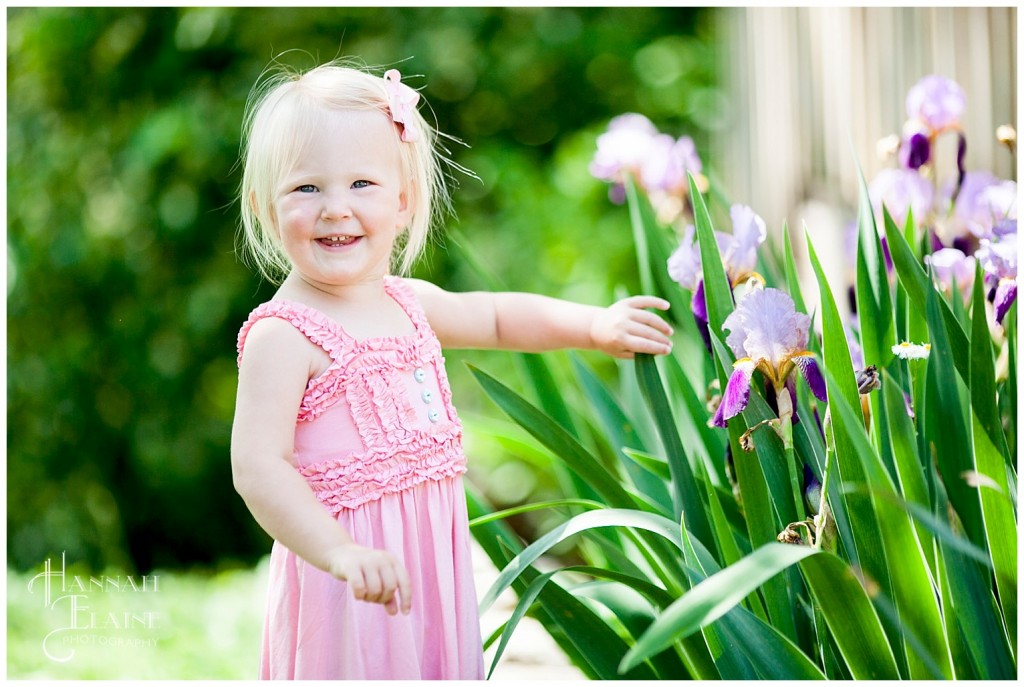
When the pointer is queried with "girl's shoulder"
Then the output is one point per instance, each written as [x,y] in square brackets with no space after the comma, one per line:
[287,326]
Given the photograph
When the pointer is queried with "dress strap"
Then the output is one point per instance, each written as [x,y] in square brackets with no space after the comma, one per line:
[315,325]
[406,298]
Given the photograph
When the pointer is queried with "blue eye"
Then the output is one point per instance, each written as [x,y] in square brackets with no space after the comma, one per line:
[306,188]
[362,183]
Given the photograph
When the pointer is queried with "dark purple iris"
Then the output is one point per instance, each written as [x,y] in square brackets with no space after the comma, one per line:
[916,151]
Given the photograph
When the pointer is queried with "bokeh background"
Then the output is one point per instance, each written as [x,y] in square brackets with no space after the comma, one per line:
[125,292]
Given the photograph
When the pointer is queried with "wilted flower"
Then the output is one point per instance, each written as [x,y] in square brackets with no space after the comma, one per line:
[1007,135]
[951,264]
[767,334]
[887,146]
[901,190]
[998,257]
[868,380]
[911,351]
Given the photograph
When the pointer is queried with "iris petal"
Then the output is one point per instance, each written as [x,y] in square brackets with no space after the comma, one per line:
[808,367]
[737,392]
[1006,294]
[699,307]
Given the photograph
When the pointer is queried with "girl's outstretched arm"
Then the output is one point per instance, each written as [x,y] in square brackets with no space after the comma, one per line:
[276,365]
[533,323]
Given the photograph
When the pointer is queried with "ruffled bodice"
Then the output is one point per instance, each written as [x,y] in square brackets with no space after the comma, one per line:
[380,419]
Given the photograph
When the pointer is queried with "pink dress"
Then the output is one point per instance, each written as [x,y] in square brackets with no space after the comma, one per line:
[380,444]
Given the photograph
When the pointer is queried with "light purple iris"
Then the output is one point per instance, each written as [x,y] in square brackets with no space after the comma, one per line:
[666,163]
[998,257]
[901,190]
[738,250]
[739,257]
[950,264]
[983,201]
[684,267]
[937,102]
[748,233]
[621,150]
[622,146]
[633,146]
[767,334]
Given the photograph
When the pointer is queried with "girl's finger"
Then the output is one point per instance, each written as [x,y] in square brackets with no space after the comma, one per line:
[651,320]
[374,587]
[404,590]
[357,584]
[653,345]
[389,584]
[646,302]
[644,331]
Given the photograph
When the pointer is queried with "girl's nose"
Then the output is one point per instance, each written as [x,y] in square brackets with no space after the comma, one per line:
[335,207]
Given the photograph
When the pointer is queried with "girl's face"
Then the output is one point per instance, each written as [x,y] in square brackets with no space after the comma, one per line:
[342,206]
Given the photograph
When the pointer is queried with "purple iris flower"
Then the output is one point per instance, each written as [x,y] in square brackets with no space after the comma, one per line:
[666,162]
[900,191]
[998,257]
[916,152]
[633,146]
[950,264]
[684,267]
[937,102]
[767,334]
[916,146]
[739,257]
[748,233]
[983,201]
[622,146]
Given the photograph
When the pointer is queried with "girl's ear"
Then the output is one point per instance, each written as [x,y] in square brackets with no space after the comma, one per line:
[270,213]
[405,206]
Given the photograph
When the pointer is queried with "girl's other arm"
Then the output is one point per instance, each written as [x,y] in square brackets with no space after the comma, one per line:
[276,366]
[535,323]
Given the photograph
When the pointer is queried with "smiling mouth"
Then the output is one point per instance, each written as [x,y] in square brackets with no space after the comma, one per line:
[337,241]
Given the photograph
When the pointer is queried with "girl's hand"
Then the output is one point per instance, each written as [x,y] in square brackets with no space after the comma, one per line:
[626,328]
[373,575]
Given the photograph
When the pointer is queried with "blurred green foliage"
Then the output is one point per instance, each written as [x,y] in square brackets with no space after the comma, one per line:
[124,290]
[192,626]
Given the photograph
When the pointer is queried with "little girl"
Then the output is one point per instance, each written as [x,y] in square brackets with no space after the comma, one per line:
[345,444]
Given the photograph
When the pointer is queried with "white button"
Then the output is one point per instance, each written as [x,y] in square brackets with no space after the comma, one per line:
[433,415]
[427,395]
[419,375]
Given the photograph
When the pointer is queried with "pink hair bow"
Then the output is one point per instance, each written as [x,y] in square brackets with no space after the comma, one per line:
[402,101]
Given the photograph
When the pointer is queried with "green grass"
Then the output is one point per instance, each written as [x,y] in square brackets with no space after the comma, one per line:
[205,626]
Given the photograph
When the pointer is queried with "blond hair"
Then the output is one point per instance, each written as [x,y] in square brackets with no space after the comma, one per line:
[283,110]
